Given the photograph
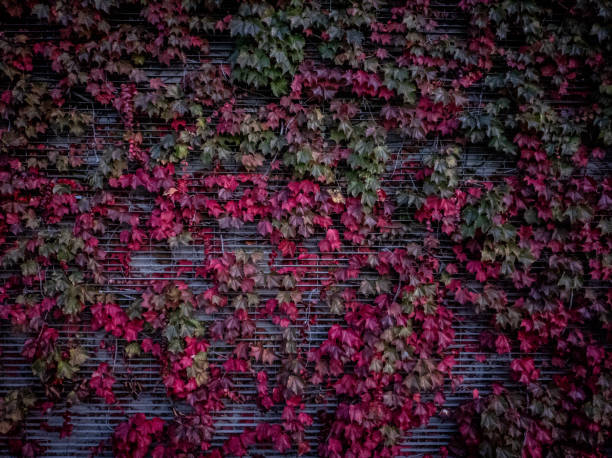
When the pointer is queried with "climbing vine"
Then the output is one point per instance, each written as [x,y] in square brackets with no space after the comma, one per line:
[324,194]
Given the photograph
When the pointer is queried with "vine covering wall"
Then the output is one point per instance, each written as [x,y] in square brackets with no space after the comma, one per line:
[263,229]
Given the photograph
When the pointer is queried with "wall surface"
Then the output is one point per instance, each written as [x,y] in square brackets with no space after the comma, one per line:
[413,133]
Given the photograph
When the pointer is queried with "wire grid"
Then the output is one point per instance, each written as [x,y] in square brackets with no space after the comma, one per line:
[94,422]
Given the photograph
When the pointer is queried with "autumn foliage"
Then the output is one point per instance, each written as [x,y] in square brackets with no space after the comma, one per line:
[353,169]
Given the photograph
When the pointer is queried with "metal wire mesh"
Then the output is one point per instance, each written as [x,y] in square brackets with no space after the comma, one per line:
[94,422]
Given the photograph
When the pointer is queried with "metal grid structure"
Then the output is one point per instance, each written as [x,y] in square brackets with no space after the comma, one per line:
[95,421]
